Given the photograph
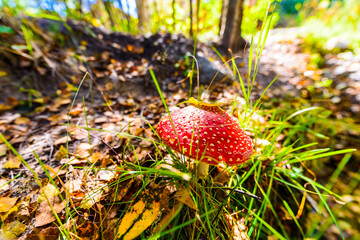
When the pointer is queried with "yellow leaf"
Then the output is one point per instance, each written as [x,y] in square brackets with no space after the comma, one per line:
[4,216]
[13,162]
[48,191]
[96,22]
[61,153]
[3,73]
[22,120]
[148,217]
[12,230]
[141,215]
[91,198]
[6,203]
[4,107]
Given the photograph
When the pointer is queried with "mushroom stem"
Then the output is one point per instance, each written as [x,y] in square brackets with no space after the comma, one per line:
[202,169]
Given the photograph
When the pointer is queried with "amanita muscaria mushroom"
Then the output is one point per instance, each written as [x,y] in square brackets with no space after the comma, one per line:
[206,133]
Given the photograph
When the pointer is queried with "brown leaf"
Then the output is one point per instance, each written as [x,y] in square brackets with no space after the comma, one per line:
[62,140]
[44,214]
[88,231]
[4,185]
[83,150]
[3,149]
[185,197]
[50,233]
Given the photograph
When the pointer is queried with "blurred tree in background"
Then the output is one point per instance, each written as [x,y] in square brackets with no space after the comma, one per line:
[320,20]
[201,19]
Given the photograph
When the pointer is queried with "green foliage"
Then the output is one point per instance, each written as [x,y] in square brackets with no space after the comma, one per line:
[335,21]
[253,15]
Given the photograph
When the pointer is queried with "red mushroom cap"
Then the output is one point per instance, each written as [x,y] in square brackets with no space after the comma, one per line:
[207,133]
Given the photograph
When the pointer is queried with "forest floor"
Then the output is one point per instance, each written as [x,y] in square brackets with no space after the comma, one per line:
[40,94]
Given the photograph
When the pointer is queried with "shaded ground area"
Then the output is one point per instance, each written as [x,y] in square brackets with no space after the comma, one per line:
[121,99]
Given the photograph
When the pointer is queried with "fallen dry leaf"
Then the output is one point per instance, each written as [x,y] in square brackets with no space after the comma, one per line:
[62,140]
[12,230]
[73,186]
[22,120]
[49,233]
[140,216]
[4,107]
[91,198]
[62,153]
[4,185]
[11,212]
[185,197]
[48,192]
[44,214]
[13,162]
[87,231]
[3,149]
[83,150]
[238,228]
[6,203]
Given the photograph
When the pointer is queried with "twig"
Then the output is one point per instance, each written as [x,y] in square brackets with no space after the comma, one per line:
[239,191]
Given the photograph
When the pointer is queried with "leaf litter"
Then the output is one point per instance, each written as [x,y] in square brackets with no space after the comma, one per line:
[90,159]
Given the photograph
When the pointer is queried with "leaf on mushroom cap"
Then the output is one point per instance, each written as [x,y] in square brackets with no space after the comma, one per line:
[207,133]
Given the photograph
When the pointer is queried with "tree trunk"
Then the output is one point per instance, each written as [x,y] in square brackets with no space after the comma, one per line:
[231,37]
[143,16]
[222,20]
[107,6]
